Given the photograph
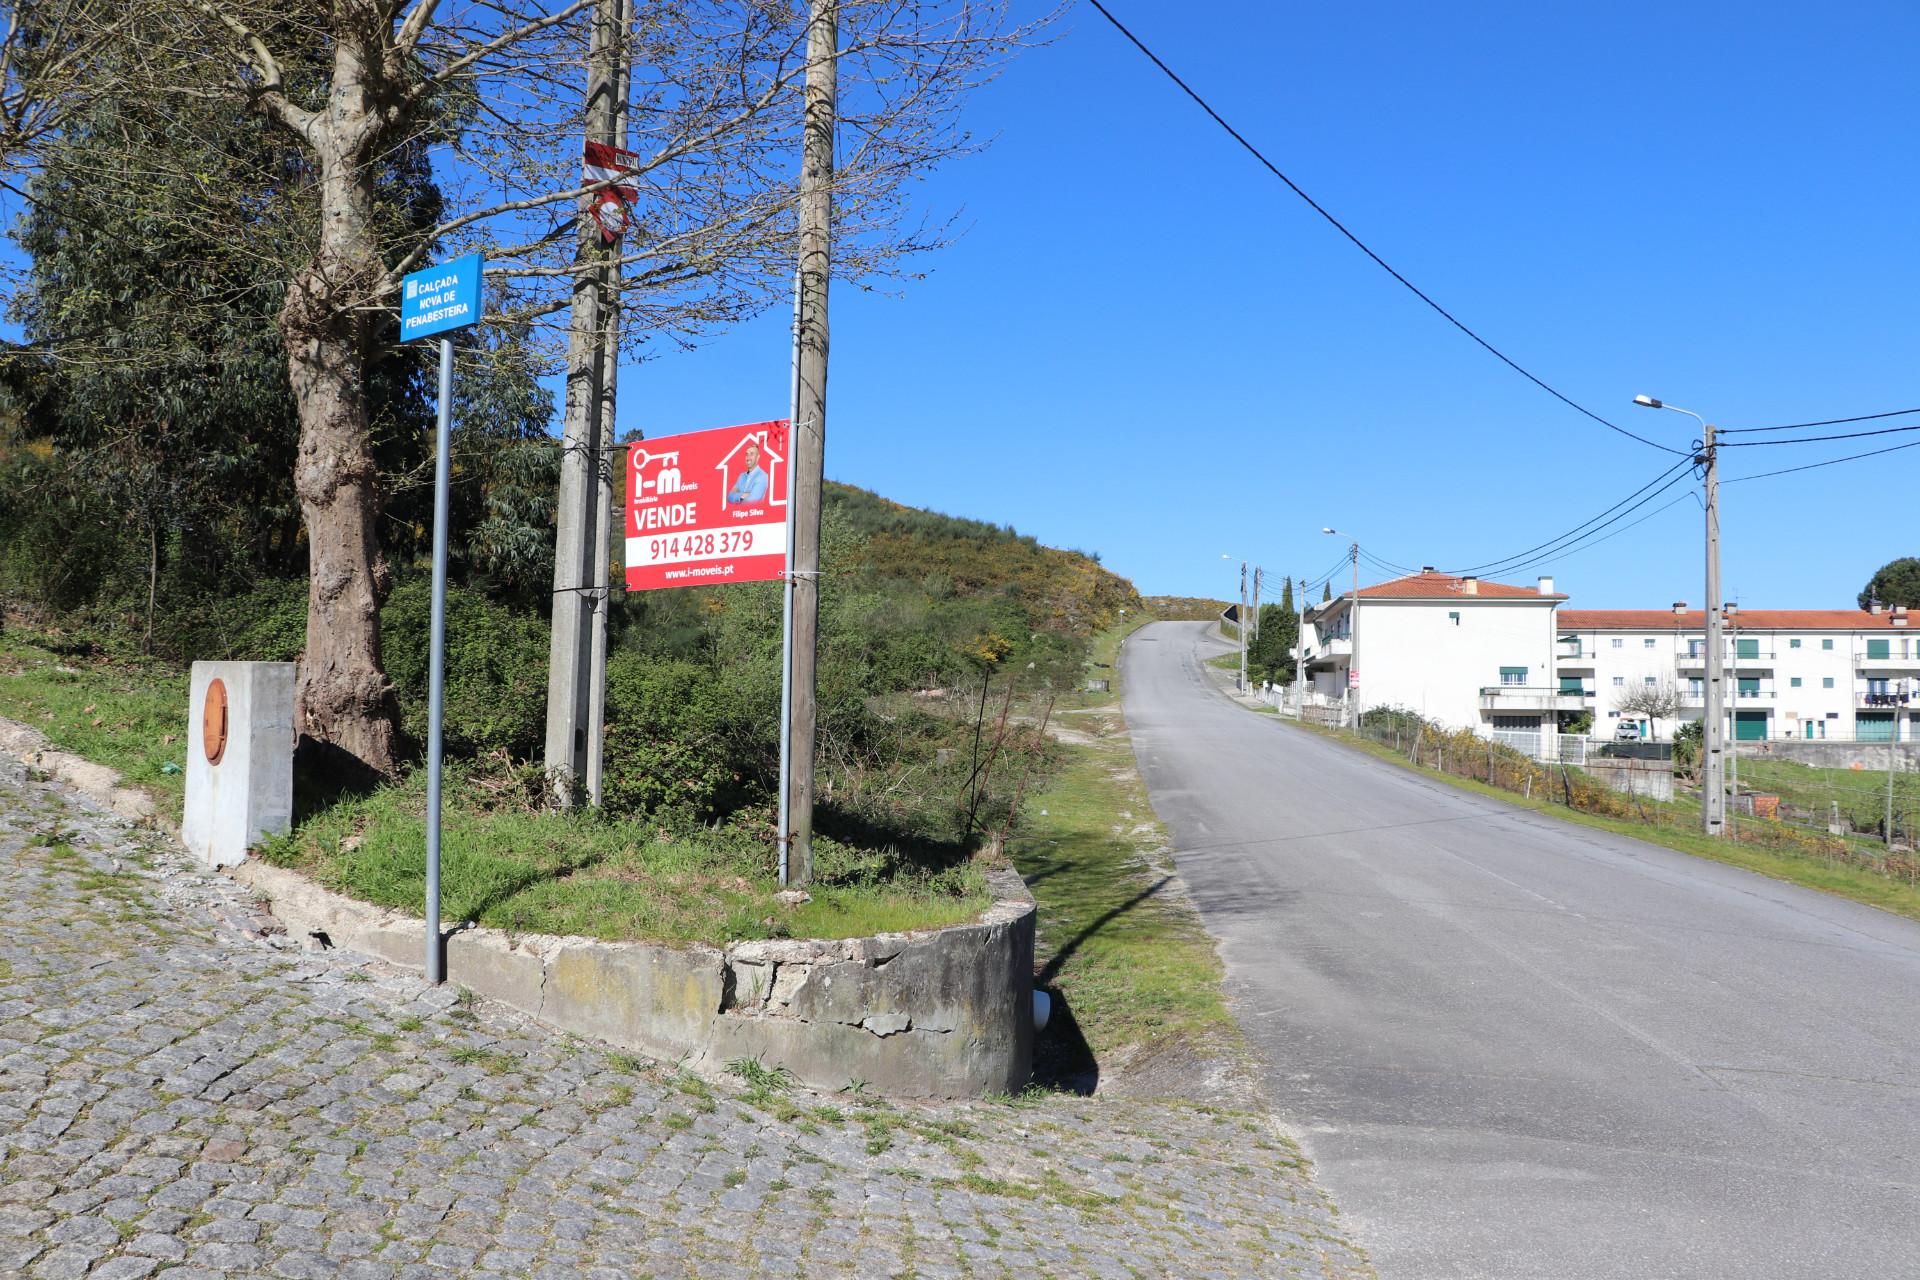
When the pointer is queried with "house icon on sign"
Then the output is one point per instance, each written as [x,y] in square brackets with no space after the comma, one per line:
[738,487]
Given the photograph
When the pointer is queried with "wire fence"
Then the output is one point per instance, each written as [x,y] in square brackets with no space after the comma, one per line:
[1784,819]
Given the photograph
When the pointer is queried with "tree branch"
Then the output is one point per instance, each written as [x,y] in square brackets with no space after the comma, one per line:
[270,93]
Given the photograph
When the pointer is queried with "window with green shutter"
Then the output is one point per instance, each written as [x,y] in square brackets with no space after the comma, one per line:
[1747,648]
[1878,650]
[1513,675]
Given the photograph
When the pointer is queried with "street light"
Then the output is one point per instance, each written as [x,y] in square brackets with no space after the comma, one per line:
[1713,781]
[1353,627]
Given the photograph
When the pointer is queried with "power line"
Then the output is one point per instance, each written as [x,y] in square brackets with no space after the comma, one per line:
[1811,466]
[1360,244]
[1843,435]
[1327,577]
[1383,564]
[1503,564]
[1594,542]
[1828,422]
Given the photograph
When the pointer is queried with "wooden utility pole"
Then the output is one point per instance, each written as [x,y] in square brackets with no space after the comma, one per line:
[810,421]
[581,532]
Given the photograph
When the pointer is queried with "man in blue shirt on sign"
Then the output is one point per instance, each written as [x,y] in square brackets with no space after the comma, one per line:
[752,484]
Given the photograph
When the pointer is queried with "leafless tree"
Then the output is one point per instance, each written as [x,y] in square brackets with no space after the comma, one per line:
[1657,701]
[491,92]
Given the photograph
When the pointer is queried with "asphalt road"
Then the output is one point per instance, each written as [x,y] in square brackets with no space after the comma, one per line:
[1521,1048]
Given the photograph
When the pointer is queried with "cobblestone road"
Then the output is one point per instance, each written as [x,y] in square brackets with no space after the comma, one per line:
[179,1098]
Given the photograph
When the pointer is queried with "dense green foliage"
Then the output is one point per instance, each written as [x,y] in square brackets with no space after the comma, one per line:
[1278,633]
[1895,582]
[927,623]
[148,441]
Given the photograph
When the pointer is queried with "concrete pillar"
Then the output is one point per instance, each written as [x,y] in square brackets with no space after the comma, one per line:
[239,758]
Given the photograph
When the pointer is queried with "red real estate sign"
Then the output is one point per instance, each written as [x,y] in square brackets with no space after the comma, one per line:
[708,507]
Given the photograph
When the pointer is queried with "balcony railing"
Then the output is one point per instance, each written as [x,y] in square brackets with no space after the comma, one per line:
[1735,697]
[1892,662]
[1891,698]
[1763,657]
[1521,697]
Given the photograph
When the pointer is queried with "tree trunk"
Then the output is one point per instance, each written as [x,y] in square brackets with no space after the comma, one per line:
[153,580]
[344,698]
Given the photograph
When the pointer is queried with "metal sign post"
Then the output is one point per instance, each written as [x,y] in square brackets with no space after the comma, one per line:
[438,301]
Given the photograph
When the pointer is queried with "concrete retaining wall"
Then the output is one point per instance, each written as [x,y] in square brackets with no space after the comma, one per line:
[1832,755]
[937,1013]
[1650,778]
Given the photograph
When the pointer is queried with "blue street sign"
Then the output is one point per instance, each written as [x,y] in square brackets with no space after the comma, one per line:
[440,298]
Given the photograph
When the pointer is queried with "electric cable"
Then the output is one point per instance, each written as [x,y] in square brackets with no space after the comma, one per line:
[1814,466]
[1555,557]
[1327,577]
[1360,244]
[1827,422]
[1503,564]
[1843,435]
[1384,565]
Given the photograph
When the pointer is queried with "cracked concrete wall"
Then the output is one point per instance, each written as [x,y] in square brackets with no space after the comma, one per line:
[935,1013]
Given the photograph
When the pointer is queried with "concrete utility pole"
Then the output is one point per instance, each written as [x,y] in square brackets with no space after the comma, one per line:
[609,458]
[1713,781]
[1353,636]
[1714,794]
[1302,606]
[577,651]
[1242,628]
[1731,614]
[1893,755]
[1254,620]
[809,433]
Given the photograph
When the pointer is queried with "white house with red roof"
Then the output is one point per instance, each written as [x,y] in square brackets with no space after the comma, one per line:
[1807,674]
[1456,649]
[1489,655]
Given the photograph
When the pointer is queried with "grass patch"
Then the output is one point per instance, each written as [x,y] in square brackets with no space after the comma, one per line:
[130,716]
[516,868]
[1859,794]
[1841,879]
[491,1061]
[1134,966]
[761,1080]
[530,870]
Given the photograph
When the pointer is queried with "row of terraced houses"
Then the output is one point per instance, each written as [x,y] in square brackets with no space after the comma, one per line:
[1489,655]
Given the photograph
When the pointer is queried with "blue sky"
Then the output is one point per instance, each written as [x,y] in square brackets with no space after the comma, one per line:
[1146,346]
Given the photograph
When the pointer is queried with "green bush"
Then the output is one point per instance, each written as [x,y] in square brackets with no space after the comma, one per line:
[265,624]
[496,694]
[681,737]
